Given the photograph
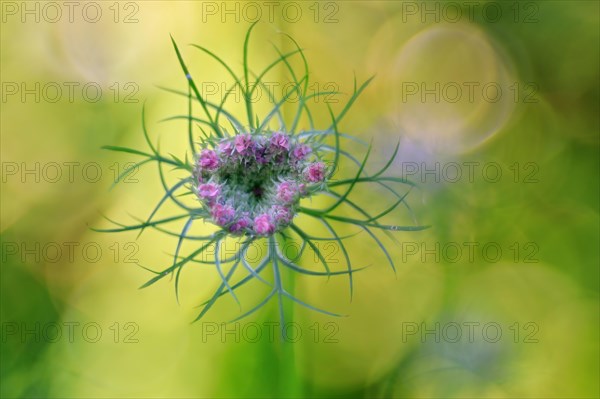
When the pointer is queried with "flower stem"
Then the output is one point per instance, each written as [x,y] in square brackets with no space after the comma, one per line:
[289,385]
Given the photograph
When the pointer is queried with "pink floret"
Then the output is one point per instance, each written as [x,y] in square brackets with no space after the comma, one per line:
[208,160]
[243,143]
[315,172]
[209,191]
[226,147]
[263,225]
[282,214]
[280,141]
[222,214]
[287,191]
[239,225]
[300,152]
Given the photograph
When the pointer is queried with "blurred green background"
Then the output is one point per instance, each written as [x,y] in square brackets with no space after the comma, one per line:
[492,87]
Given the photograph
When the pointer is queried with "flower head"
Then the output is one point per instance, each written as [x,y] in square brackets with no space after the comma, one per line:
[260,185]
[249,183]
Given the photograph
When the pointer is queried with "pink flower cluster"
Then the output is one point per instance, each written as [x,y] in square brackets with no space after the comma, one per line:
[301,152]
[208,160]
[252,183]
[263,225]
[288,192]
[222,214]
[209,191]
[280,141]
[243,144]
[315,172]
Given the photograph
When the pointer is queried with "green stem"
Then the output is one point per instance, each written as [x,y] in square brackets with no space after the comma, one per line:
[289,385]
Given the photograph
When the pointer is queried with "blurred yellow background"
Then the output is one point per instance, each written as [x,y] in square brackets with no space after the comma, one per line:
[504,93]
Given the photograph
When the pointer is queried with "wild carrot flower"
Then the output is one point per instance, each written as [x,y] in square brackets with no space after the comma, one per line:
[255,181]
[248,180]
